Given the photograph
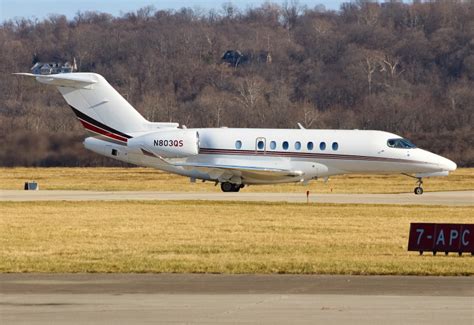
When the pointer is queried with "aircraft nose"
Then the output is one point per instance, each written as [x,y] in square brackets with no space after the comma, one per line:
[449,165]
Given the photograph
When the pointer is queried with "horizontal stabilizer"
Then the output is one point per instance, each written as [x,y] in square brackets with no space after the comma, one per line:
[73,80]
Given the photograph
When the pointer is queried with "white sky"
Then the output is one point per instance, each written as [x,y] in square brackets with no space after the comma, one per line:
[10,9]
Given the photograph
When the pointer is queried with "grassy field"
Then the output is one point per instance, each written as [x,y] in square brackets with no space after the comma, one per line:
[116,179]
[220,237]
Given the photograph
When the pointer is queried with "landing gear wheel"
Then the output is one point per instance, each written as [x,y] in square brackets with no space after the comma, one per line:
[418,190]
[230,187]
[227,187]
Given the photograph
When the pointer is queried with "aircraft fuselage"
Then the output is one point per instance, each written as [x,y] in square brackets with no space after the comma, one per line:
[310,153]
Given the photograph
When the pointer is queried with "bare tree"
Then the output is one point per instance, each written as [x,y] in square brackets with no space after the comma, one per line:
[367,66]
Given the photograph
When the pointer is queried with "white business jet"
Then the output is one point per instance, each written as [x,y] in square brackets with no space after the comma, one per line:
[235,157]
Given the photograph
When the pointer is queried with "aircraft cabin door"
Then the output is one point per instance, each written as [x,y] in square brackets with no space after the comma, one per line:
[260,144]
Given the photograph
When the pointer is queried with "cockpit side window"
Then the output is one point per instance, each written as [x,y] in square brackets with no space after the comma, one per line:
[400,143]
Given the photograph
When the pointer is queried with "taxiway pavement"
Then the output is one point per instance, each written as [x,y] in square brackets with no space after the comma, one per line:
[217,299]
[454,198]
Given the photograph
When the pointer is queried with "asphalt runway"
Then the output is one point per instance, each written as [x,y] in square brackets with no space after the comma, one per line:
[455,198]
[217,299]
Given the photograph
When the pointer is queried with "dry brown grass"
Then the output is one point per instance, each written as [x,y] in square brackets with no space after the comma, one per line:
[116,179]
[220,237]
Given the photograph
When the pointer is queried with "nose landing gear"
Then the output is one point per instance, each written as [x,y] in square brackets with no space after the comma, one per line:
[419,189]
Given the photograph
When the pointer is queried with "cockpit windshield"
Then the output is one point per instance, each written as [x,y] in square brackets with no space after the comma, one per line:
[400,143]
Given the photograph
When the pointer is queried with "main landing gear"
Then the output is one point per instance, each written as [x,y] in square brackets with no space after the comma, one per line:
[231,187]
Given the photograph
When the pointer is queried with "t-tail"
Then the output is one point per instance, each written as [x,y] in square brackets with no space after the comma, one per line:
[99,107]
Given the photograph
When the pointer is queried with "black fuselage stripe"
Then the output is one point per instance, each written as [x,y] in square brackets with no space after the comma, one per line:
[96,123]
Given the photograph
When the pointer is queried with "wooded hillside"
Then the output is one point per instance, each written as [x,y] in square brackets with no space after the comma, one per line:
[403,68]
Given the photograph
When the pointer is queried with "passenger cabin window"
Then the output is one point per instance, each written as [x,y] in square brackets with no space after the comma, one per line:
[238,144]
[260,145]
[310,146]
[322,146]
[400,143]
[297,145]
[273,145]
[335,146]
[285,145]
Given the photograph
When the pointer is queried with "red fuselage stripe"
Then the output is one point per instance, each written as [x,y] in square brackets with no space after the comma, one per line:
[103,132]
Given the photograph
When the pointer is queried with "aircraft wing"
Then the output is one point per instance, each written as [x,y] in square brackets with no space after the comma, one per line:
[226,172]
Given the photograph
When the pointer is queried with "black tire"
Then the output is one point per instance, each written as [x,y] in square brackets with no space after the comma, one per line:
[227,187]
[418,190]
[235,187]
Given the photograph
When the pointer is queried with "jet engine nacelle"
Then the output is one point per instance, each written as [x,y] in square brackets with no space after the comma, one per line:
[175,143]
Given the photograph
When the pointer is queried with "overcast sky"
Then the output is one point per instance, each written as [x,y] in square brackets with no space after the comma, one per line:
[42,8]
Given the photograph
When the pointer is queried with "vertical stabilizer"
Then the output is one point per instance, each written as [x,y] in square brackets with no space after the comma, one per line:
[99,107]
